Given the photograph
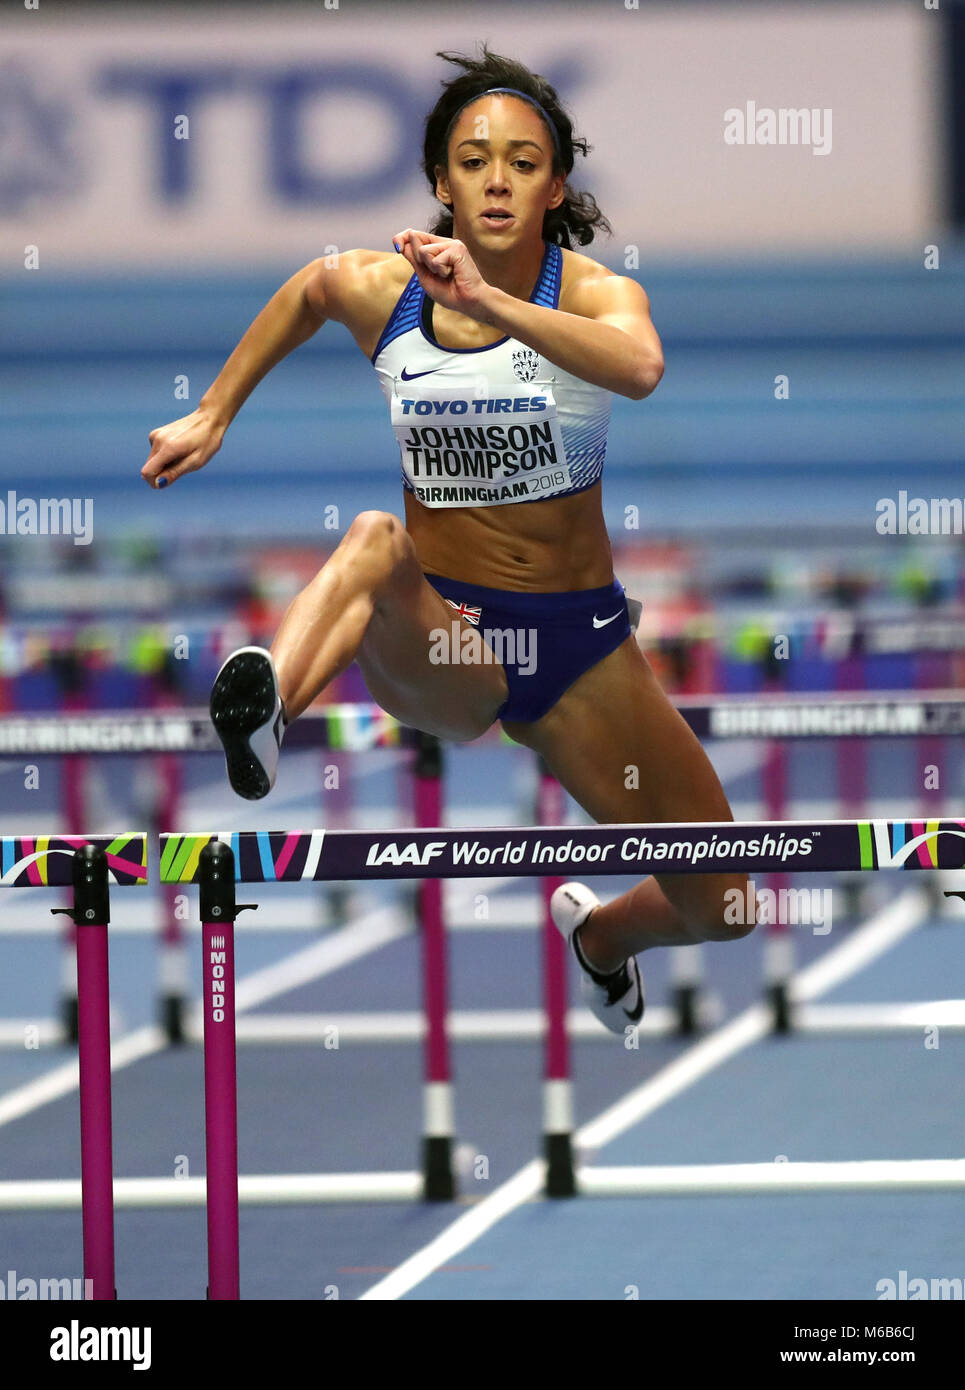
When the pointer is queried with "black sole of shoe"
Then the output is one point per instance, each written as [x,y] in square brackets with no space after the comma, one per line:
[242,700]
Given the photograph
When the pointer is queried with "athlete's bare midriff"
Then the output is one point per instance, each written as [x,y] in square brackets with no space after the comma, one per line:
[544,547]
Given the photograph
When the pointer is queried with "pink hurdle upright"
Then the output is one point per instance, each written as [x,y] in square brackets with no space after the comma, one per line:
[438,1123]
[86,864]
[218,912]
[91,916]
[557,1085]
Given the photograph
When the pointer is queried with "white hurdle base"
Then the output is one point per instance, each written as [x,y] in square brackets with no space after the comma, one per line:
[878,1018]
[526,1025]
[32,1034]
[466,1025]
[276,1190]
[50,1032]
[876,1175]
[309,1189]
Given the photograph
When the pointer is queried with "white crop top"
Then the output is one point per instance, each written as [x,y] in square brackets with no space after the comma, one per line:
[480,427]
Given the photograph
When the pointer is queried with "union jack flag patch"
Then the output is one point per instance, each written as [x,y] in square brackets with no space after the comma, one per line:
[466,610]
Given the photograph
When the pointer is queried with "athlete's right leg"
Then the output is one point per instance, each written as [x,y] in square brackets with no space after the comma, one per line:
[371,603]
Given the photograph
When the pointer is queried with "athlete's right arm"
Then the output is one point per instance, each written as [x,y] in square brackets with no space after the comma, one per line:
[288,319]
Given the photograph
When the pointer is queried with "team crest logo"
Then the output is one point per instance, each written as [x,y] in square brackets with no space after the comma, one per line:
[525,364]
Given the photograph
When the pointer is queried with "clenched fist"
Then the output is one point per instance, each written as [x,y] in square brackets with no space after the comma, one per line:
[183,446]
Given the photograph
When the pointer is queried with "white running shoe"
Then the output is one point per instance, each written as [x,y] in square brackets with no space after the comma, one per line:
[616,999]
[249,716]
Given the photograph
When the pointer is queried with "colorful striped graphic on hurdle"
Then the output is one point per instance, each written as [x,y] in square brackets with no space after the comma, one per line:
[269,856]
[904,844]
[283,856]
[45,861]
[360,726]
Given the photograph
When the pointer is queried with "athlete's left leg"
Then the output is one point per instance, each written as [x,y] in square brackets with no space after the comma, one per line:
[618,746]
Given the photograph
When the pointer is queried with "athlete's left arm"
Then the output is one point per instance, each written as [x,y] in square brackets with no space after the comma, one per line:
[606,336]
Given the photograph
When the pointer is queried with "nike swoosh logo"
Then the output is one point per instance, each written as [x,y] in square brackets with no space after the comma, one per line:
[411,376]
[602,622]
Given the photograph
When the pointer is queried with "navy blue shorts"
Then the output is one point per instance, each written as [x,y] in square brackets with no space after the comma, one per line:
[543,641]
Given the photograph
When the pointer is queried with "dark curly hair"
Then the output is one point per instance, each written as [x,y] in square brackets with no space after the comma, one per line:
[578,215]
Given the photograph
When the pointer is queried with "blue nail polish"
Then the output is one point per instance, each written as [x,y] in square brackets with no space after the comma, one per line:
[162,482]
[397,247]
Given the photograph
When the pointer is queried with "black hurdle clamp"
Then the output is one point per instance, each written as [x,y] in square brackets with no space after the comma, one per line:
[217,884]
[438,1183]
[780,1003]
[92,905]
[92,908]
[686,1010]
[560,1173]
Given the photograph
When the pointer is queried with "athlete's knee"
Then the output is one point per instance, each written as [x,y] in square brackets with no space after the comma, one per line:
[727,911]
[377,528]
[381,540]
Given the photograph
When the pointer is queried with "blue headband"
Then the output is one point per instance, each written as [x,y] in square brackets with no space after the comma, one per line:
[511,91]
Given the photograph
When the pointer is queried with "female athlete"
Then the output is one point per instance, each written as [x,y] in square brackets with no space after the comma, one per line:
[497,348]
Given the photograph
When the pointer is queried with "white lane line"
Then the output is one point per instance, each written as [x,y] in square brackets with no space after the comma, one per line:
[877,936]
[371,932]
[367,935]
[887,928]
[53,1085]
[377,928]
[469,1227]
[747,1028]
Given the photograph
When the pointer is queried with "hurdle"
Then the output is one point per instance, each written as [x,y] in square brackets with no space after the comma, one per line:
[87,864]
[780,719]
[217,861]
